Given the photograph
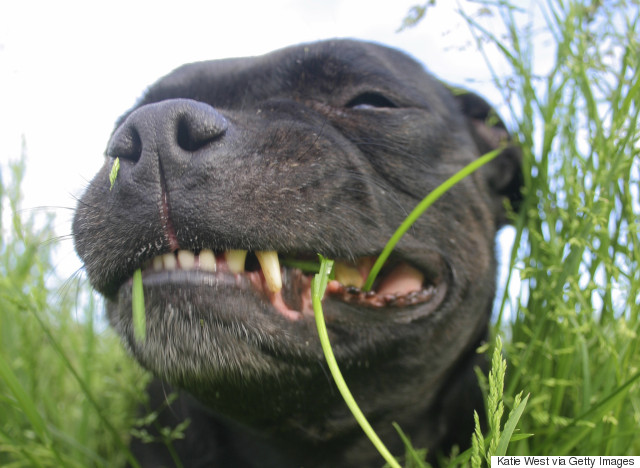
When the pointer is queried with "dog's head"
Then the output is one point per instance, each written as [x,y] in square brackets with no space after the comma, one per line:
[321,148]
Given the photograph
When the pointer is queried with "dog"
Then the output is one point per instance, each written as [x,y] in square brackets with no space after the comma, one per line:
[234,171]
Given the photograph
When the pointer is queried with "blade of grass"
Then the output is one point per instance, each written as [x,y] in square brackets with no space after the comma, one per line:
[510,426]
[421,208]
[413,458]
[318,286]
[603,404]
[137,301]
[114,172]
[307,266]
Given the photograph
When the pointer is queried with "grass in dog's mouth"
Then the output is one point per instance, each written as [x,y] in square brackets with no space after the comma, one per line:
[137,301]
[397,277]
[285,279]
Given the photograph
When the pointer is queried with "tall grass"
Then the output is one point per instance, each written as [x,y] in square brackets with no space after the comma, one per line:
[572,341]
[68,392]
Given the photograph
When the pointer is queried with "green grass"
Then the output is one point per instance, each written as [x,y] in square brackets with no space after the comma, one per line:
[573,335]
[419,210]
[137,307]
[318,287]
[115,168]
[69,393]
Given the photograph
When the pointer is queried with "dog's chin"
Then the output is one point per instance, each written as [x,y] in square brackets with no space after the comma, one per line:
[215,322]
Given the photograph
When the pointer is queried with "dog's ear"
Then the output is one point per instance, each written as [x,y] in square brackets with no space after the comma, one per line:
[504,174]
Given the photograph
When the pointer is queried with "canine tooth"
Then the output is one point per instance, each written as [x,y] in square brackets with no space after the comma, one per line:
[348,275]
[186,260]
[157,263]
[207,260]
[169,261]
[235,260]
[271,269]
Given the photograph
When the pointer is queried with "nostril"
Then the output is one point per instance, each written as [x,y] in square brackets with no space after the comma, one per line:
[198,126]
[185,140]
[172,129]
[125,143]
[191,138]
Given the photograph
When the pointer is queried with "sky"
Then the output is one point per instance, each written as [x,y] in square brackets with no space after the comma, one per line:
[68,69]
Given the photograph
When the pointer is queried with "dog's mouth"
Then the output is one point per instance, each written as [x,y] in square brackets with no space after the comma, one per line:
[285,279]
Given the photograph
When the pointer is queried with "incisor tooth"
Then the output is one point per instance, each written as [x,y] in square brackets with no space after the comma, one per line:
[235,260]
[347,275]
[271,269]
[207,260]
[169,261]
[186,260]
[157,263]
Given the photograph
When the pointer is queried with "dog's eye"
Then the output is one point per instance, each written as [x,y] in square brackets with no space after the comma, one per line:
[370,100]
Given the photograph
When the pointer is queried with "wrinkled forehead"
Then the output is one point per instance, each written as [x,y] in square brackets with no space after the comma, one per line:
[331,71]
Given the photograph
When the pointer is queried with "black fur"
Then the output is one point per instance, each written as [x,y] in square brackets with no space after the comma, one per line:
[319,148]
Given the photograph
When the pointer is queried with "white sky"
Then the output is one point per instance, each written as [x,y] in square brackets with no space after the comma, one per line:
[68,69]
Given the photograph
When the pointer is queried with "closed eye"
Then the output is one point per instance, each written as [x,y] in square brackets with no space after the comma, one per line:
[370,100]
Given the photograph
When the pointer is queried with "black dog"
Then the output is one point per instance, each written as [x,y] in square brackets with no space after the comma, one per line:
[320,148]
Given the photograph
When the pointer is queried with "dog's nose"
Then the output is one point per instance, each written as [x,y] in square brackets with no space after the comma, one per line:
[174,128]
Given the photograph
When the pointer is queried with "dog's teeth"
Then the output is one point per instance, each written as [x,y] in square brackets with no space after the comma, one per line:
[186,260]
[271,269]
[207,260]
[157,264]
[169,261]
[235,260]
[348,275]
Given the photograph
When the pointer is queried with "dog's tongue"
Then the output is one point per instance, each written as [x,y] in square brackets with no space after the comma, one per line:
[403,279]
[400,281]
